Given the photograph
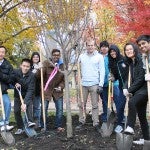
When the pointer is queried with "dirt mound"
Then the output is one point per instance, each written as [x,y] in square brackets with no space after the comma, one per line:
[85,139]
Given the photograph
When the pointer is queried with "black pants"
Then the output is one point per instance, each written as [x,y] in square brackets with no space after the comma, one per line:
[137,104]
[17,112]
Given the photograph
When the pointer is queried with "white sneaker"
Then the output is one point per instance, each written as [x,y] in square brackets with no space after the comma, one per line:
[31,124]
[19,131]
[8,128]
[118,129]
[129,130]
[139,142]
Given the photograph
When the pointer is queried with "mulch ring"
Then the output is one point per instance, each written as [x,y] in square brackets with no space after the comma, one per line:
[85,139]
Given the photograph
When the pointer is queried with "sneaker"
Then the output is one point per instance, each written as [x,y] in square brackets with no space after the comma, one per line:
[97,128]
[80,126]
[129,130]
[8,128]
[31,124]
[19,131]
[139,142]
[118,129]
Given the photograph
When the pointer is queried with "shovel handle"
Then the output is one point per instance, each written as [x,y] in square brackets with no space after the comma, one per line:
[109,95]
[21,98]
[148,82]
[2,103]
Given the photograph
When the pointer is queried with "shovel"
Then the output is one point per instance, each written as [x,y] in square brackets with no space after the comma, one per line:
[124,141]
[30,132]
[107,127]
[6,135]
[147,142]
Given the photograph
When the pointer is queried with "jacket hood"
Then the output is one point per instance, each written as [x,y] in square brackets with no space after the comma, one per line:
[116,49]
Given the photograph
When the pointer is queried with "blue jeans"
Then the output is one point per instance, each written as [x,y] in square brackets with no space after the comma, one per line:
[120,106]
[119,101]
[37,109]
[7,108]
[59,111]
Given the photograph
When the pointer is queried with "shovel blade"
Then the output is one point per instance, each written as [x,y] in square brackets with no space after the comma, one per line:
[30,132]
[8,138]
[146,145]
[112,117]
[107,129]
[124,141]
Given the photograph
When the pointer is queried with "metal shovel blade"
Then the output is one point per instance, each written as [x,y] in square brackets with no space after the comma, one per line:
[146,145]
[30,132]
[8,137]
[112,117]
[124,141]
[107,129]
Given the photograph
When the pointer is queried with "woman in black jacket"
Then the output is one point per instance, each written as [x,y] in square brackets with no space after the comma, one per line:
[138,89]
[35,58]
[119,71]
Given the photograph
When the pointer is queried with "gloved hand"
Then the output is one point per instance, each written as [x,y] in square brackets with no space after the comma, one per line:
[125,92]
[147,77]
[58,89]
[100,90]
[111,77]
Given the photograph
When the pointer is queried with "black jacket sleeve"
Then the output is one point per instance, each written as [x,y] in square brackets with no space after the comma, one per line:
[30,90]
[138,77]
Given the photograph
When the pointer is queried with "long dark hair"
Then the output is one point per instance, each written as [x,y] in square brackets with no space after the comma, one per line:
[136,51]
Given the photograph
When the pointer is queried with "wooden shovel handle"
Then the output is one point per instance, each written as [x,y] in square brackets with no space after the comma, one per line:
[2,103]
[109,94]
[81,91]
[148,82]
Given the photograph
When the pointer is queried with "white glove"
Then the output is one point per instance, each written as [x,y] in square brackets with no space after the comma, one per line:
[147,77]
[125,92]
[111,77]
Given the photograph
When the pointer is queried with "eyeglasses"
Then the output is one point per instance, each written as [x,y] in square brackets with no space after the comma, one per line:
[56,55]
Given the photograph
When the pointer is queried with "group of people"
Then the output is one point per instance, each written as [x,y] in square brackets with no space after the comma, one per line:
[129,77]
[26,79]
[98,68]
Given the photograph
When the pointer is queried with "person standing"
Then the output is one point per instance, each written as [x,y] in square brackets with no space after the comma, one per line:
[118,72]
[55,87]
[92,76]
[138,89]
[24,80]
[143,42]
[35,58]
[6,71]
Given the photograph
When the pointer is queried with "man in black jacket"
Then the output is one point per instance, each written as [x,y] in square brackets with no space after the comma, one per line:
[6,70]
[24,79]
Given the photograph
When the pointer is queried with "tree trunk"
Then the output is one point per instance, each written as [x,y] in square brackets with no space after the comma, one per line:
[68,107]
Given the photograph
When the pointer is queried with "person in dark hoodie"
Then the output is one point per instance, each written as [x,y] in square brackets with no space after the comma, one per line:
[35,58]
[137,103]
[24,80]
[118,72]
[6,71]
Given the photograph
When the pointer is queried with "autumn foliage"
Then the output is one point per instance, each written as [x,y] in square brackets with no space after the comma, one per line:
[134,17]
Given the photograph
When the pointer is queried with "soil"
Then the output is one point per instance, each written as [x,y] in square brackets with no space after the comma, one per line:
[85,139]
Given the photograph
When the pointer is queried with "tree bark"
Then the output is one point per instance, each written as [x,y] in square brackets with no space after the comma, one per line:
[68,106]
